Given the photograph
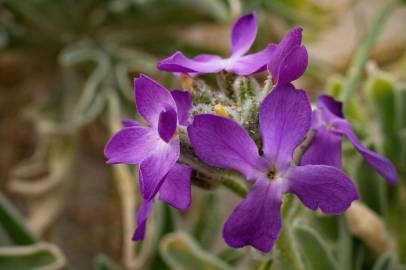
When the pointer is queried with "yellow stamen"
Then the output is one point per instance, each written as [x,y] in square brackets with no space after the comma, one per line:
[220,110]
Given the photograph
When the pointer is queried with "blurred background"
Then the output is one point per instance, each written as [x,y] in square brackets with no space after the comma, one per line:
[66,71]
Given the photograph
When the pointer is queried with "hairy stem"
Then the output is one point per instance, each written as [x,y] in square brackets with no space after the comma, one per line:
[364,50]
[207,177]
[301,149]
[287,257]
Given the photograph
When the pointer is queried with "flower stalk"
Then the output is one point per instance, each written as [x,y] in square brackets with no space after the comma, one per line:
[287,257]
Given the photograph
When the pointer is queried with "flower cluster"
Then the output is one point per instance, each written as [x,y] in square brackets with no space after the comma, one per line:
[280,121]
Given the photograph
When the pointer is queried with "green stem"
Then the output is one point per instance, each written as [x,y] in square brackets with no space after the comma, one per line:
[301,149]
[265,265]
[364,50]
[208,177]
[233,184]
[287,257]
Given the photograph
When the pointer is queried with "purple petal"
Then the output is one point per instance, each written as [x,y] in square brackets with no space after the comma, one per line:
[284,119]
[200,58]
[243,34]
[183,101]
[324,142]
[251,63]
[130,123]
[142,217]
[154,168]
[167,123]
[256,221]
[176,188]
[289,59]
[330,106]
[180,63]
[223,143]
[131,145]
[382,165]
[292,66]
[321,186]
[151,99]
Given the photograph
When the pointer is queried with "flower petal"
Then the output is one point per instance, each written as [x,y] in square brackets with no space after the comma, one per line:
[321,186]
[256,221]
[324,142]
[292,66]
[252,63]
[289,59]
[156,166]
[284,119]
[130,123]
[142,217]
[223,143]
[243,34]
[167,123]
[183,101]
[180,63]
[131,145]
[176,188]
[151,99]
[330,107]
[382,165]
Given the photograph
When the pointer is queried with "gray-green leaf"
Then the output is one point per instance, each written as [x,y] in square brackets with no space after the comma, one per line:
[181,252]
[315,251]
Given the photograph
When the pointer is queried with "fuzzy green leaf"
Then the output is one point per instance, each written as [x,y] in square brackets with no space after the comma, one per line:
[13,226]
[37,256]
[385,262]
[381,93]
[315,251]
[205,228]
[181,252]
[102,262]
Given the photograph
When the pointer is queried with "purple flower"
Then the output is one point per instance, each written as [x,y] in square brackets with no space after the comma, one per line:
[289,59]
[284,118]
[242,37]
[155,147]
[331,126]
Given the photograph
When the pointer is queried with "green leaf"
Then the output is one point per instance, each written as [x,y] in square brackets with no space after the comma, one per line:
[316,252]
[385,262]
[401,122]
[381,94]
[326,225]
[370,187]
[205,228]
[231,255]
[401,107]
[353,112]
[168,226]
[344,245]
[13,226]
[102,262]
[359,257]
[181,252]
[36,256]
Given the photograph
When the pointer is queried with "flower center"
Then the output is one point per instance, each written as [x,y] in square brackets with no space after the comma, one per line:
[271,174]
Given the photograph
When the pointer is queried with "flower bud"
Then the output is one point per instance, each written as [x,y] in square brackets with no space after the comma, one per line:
[366,225]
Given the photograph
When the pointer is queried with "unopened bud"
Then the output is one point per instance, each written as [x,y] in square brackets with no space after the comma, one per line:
[366,225]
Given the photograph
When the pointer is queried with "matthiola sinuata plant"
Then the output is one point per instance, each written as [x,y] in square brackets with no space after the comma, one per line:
[267,135]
